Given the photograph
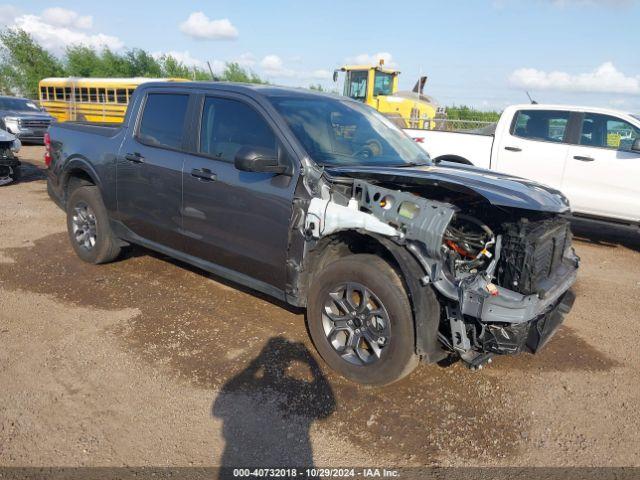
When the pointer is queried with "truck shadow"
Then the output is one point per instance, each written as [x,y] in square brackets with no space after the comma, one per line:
[268,408]
[606,235]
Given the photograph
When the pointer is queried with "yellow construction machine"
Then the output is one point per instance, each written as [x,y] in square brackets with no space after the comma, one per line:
[377,86]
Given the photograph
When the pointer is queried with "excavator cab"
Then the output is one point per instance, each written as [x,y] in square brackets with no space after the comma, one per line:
[377,87]
[364,82]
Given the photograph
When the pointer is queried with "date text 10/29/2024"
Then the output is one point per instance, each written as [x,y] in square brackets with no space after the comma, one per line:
[315,472]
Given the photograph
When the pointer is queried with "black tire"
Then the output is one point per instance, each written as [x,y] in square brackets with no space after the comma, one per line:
[397,357]
[106,246]
[17,173]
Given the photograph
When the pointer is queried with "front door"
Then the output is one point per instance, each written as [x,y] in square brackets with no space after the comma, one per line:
[602,173]
[235,219]
[535,148]
[149,170]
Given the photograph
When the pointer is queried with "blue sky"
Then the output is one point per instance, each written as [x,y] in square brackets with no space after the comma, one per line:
[481,53]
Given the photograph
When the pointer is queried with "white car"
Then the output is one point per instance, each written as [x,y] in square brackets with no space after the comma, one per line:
[591,154]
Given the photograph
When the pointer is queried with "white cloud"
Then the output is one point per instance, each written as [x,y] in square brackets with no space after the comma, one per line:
[8,14]
[61,17]
[246,60]
[321,74]
[604,79]
[366,59]
[57,38]
[201,27]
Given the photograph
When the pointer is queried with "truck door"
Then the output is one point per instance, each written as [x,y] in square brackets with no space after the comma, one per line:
[149,169]
[602,172]
[235,219]
[534,147]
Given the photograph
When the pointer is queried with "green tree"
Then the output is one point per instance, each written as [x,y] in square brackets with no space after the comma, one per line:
[317,87]
[23,63]
[233,72]
[82,61]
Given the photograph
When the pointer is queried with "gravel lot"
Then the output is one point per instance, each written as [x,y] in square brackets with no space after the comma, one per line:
[147,361]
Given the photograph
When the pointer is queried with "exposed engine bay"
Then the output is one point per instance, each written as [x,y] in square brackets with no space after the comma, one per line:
[502,274]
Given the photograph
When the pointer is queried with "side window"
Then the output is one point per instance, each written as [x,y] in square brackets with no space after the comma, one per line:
[383,83]
[355,85]
[227,125]
[546,125]
[607,132]
[162,121]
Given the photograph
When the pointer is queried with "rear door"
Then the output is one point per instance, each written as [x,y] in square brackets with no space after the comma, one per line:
[535,146]
[602,173]
[149,169]
[237,220]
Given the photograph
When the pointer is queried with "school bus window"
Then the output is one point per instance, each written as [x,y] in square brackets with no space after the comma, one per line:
[121,95]
[130,94]
[111,97]
[50,93]
[85,94]
[43,93]
[93,96]
[67,93]
[59,94]
[101,95]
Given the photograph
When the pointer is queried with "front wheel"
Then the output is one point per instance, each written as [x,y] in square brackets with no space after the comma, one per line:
[360,320]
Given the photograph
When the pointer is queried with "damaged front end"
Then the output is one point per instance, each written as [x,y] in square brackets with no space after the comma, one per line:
[502,273]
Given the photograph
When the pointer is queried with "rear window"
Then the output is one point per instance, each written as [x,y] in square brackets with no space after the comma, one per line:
[163,118]
[545,125]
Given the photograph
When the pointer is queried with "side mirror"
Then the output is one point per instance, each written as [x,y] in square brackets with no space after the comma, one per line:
[636,145]
[258,159]
[335,75]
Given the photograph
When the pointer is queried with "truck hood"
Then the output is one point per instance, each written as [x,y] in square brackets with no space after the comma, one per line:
[497,188]
[24,114]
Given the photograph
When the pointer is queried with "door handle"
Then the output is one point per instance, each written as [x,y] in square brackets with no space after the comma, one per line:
[204,174]
[513,149]
[584,159]
[134,157]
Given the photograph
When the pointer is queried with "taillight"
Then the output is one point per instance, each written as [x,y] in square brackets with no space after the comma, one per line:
[47,149]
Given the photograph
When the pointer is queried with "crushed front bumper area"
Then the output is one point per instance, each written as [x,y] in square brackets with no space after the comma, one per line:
[507,322]
[528,336]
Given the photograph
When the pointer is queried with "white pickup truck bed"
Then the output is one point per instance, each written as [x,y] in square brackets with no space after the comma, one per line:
[474,148]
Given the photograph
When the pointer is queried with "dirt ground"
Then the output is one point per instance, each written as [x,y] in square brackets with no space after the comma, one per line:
[147,361]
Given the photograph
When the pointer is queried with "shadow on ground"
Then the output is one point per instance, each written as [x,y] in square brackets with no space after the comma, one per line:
[268,408]
[256,354]
[606,235]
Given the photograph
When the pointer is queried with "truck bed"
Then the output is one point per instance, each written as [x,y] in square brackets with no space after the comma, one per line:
[475,147]
[102,129]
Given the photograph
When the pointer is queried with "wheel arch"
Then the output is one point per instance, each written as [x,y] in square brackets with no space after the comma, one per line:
[78,172]
[424,303]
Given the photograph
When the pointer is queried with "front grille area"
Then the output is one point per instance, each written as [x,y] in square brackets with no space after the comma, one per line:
[531,252]
[35,123]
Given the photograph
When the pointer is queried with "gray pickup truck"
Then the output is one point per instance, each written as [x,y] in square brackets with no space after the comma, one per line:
[323,203]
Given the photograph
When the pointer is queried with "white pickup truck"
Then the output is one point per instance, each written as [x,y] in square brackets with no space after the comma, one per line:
[591,154]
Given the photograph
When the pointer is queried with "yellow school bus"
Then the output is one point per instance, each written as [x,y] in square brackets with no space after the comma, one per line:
[101,100]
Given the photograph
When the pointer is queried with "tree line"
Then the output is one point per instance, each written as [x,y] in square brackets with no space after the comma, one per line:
[24,62]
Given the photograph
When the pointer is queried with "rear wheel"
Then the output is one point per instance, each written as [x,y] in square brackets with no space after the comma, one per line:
[361,322]
[88,226]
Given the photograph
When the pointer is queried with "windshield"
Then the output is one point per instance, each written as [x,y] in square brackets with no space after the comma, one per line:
[344,133]
[19,104]
[637,117]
